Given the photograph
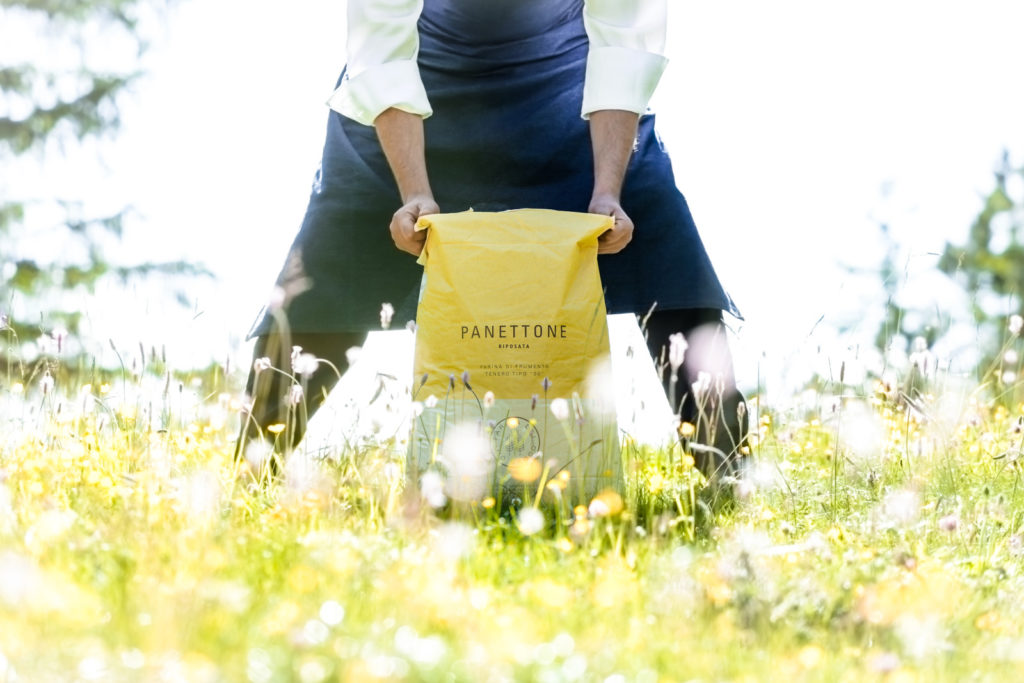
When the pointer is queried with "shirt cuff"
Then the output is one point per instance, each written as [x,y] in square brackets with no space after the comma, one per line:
[392,84]
[620,78]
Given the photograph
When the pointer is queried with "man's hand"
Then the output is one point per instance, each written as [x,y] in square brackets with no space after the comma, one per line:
[612,133]
[401,137]
[403,223]
[615,239]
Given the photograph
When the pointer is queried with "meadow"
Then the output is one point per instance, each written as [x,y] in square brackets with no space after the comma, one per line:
[877,536]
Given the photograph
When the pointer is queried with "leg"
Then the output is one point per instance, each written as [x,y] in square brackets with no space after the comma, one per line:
[277,415]
[702,388]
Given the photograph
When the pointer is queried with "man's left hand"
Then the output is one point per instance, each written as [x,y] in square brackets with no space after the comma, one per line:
[615,239]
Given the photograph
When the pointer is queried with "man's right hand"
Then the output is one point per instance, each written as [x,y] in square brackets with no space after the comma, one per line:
[403,223]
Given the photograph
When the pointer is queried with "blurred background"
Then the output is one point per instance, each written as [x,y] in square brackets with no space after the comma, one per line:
[854,170]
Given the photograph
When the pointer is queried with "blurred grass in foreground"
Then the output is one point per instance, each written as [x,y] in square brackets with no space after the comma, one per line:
[878,537]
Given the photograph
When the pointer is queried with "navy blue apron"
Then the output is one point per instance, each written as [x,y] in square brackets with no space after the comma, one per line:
[505,80]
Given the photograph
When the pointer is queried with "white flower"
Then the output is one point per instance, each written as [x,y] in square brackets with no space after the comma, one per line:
[598,508]
[949,523]
[703,383]
[295,396]
[1010,357]
[432,489]
[431,402]
[560,409]
[261,364]
[466,451]
[305,364]
[387,312]
[530,521]
[489,399]
[676,350]
[1016,324]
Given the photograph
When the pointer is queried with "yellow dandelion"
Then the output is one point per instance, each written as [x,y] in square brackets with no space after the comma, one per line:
[276,428]
[992,621]
[606,504]
[687,429]
[525,469]
[687,461]
[564,544]
[488,502]
[512,422]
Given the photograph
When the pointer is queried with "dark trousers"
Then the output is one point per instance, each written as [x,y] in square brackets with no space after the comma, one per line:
[702,389]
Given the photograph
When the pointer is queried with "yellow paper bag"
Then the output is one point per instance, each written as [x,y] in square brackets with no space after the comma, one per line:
[512,341]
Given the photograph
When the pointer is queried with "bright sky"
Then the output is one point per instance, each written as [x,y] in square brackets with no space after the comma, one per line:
[795,127]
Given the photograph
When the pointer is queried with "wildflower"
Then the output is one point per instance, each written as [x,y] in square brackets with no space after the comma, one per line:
[533,402]
[466,452]
[703,383]
[605,504]
[560,409]
[686,430]
[59,334]
[431,402]
[949,523]
[305,364]
[489,399]
[432,489]
[332,613]
[676,350]
[465,379]
[1016,324]
[530,521]
[387,312]
[525,469]
[546,384]
[46,383]
[1009,377]
[295,396]
[1010,357]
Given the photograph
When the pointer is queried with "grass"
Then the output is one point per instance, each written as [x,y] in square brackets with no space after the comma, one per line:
[876,539]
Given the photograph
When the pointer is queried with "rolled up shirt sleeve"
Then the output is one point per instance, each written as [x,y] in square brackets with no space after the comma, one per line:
[626,59]
[381,72]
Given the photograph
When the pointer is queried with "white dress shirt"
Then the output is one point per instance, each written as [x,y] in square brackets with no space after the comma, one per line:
[624,65]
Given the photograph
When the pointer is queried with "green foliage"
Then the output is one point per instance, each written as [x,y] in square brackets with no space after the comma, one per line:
[131,537]
[982,266]
[49,105]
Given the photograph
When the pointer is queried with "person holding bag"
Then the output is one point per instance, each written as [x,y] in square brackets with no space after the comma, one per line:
[455,104]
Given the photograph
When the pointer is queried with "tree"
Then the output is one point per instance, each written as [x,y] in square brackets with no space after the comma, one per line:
[55,97]
[990,267]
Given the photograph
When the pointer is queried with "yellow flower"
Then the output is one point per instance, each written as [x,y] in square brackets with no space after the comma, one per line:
[686,430]
[524,469]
